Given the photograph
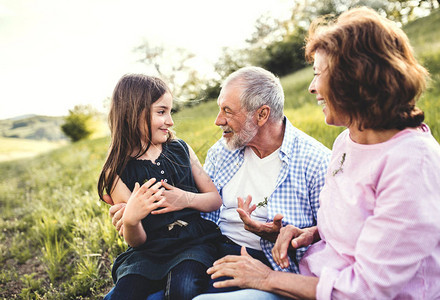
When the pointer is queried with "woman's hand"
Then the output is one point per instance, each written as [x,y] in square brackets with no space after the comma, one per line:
[292,237]
[246,271]
[174,199]
[268,231]
[142,202]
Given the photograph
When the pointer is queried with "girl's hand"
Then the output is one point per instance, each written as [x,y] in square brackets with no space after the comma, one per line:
[174,199]
[142,202]
[291,237]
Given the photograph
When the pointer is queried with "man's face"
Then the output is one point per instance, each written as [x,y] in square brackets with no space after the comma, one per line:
[237,124]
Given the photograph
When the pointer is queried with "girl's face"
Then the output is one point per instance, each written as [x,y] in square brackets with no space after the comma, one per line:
[319,85]
[161,119]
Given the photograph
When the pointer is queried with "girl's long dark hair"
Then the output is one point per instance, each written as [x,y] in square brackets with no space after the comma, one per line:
[130,107]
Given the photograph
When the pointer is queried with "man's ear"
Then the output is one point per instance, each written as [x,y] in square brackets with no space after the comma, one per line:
[263,114]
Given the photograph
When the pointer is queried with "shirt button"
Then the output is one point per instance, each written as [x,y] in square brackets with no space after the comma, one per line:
[162,172]
[158,163]
[165,180]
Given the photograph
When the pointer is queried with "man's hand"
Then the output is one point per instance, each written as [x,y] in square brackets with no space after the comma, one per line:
[107,199]
[268,231]
[116,212]
[246,271]
[292,237]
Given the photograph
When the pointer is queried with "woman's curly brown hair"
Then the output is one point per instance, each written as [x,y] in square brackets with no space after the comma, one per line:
[373,76]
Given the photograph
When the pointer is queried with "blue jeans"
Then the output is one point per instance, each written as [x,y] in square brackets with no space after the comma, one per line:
[226,248]
[185,281]
[231,248]
[160,295]
[246,294]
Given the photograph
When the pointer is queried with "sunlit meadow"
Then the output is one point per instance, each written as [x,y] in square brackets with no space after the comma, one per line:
[57,239]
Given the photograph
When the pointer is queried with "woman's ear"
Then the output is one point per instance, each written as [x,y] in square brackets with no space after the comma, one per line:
[263,114]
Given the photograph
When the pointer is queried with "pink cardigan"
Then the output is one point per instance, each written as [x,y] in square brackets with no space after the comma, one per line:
[379,220]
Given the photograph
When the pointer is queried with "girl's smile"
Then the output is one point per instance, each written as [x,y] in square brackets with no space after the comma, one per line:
[161,119]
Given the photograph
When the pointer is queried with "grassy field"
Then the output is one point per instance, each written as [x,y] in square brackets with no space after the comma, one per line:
[12,148]
[29,145]
[57,240]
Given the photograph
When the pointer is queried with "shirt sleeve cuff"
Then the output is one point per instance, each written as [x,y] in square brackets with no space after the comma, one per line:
[326,283]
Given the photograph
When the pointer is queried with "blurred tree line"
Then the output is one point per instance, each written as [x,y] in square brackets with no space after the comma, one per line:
[276,45]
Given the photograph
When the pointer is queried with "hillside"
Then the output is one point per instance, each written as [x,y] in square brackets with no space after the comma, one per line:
[33,127]
[425,40]
[57,240]
[30,135]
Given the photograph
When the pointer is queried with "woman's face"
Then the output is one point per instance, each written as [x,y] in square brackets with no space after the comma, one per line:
[319,85]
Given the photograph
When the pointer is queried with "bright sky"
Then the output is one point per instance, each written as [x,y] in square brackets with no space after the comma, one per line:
[55,54]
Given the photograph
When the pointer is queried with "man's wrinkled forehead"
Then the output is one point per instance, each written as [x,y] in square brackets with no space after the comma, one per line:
[230,96]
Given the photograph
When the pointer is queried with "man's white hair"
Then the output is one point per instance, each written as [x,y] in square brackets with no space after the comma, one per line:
[259,87]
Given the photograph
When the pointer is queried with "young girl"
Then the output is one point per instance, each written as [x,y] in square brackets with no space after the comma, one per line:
[171,246]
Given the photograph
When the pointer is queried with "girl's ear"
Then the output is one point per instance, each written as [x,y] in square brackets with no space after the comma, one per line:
[263,114]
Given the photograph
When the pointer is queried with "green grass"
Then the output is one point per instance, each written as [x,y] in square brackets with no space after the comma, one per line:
[296,88]
[196,127]
[424,34]
[52,218]
[57,239]
[12,148]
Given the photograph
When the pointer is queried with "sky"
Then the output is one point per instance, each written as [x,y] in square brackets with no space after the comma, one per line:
[55,54]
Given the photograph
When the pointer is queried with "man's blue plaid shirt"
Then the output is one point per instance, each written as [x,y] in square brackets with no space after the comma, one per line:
[296,195]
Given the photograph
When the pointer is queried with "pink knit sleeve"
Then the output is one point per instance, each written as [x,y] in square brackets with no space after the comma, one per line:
[395,242]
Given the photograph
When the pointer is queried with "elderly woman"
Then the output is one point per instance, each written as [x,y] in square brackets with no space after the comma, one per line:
[378,233]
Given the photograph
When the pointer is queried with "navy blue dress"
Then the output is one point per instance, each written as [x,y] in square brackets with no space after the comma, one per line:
[165,248]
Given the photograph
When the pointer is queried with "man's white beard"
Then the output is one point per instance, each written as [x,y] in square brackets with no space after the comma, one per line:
[247,133]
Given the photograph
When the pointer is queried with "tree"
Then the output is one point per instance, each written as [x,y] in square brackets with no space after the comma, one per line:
[278,45]
[78,124]
[400,11]
[275,45]
[175,66]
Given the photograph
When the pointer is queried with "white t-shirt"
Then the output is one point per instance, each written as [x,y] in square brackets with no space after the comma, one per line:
[256,177]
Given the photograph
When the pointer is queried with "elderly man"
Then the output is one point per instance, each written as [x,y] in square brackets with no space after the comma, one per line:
[267,172]
[264,168]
